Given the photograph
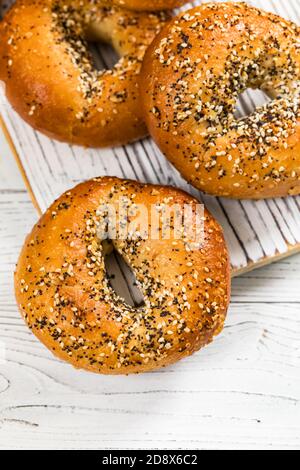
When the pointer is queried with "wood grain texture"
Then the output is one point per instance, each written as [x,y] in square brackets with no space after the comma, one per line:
[243,391]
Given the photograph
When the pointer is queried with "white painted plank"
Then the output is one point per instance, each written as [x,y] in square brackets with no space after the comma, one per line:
[242,391]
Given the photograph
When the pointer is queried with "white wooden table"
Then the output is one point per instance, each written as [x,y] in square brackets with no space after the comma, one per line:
[243,391]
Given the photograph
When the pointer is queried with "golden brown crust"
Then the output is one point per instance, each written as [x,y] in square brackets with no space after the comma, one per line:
[50,78]
[64,295]
[146,5]
[195,70]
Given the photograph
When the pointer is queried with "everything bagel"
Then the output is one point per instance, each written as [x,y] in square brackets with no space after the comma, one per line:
[65,297]
[195,70]
[50,77]
[146,5]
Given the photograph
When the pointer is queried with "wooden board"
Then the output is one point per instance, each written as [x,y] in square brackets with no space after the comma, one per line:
[257,233]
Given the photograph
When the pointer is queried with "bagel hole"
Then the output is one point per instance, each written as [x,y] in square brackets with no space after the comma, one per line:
[122,279]
[248,101]
[103,55]
[3,8]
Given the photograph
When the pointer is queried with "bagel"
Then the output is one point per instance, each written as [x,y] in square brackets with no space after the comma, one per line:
[49,74]
[195,70]
[146,5]
[65,297]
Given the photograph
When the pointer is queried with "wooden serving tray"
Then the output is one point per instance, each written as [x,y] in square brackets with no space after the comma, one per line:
[257,232]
